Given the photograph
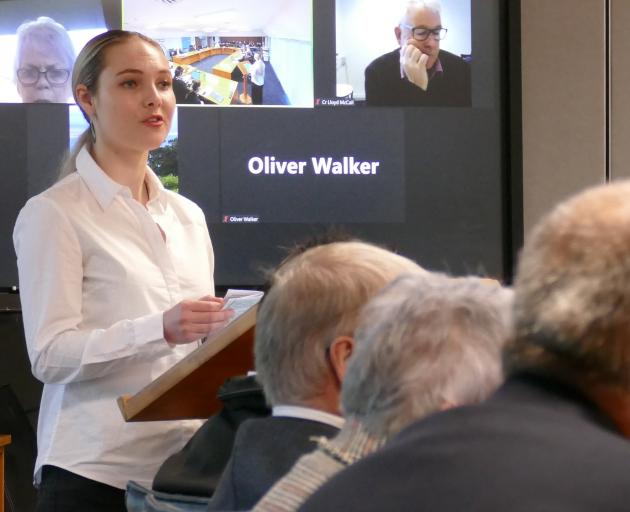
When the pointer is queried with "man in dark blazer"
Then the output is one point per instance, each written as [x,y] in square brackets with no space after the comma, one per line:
[303,339]
[555,436]
[195,470]
[180,89]
[419,73]
[265,450]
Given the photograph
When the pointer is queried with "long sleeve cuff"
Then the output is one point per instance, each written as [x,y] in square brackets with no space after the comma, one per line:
[148,329]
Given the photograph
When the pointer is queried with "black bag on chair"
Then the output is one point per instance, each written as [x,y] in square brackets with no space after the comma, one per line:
[19,456]
[196,469]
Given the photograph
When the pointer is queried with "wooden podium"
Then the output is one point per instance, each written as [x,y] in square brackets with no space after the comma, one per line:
[188,390]
[4,441]
[245,98]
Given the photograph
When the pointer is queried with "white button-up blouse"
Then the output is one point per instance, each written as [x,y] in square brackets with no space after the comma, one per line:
[95,277]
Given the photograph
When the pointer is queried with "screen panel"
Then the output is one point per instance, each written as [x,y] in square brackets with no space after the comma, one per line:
[426,181]
[40,40]
[439,197]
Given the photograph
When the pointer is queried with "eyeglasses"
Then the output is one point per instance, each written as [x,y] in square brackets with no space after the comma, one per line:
[423,33]
[30,76]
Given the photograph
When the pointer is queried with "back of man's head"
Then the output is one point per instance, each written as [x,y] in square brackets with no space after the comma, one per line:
[314,298]
[425,342]
[572,292]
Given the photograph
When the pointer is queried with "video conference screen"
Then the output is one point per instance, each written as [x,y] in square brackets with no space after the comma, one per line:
[346,113]
[40,40]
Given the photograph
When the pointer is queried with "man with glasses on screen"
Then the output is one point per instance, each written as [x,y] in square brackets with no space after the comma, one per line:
[419,73]
[43,62]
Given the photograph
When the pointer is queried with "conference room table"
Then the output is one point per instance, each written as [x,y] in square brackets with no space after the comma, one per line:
[204,53]
[226,67]
[214,88]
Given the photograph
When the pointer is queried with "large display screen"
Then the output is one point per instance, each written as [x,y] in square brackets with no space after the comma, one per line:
[345,126]
[374,156]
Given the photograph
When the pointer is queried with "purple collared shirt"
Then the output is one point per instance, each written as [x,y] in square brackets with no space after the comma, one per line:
[437,68]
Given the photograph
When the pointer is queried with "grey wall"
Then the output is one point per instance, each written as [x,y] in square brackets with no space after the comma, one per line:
[619,89]
[563,46]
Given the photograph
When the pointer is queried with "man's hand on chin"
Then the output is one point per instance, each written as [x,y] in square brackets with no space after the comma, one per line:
[414,63]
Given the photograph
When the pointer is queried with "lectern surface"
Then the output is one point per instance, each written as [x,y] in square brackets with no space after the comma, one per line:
[188,390]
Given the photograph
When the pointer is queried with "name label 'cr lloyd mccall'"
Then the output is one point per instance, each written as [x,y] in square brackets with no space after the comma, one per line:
[320,166]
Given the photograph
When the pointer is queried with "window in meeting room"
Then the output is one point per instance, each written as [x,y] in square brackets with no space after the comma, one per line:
[228,52]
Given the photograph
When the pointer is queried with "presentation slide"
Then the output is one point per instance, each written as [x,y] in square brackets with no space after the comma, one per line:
[339,166]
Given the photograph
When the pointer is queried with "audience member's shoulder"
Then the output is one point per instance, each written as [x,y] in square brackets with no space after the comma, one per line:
[343,491]
[385,466]
[254,426]
[446,460]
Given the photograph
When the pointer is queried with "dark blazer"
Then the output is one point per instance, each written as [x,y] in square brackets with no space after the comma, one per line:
[193,98]
[180,89]
[534,446]
[264,451]
[196,468]
[384,86]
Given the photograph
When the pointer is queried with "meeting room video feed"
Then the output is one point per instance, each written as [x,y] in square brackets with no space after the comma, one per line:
[40,40]
[228,52]
[390,54]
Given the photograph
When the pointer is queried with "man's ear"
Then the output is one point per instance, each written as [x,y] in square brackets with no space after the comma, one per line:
[398,33]
[340,350]
[85,100]
[447,404]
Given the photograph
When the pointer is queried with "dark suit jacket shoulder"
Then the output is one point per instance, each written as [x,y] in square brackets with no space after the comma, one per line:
[534,446]
[385,87]
[180,89]
[264,451]
[197,468]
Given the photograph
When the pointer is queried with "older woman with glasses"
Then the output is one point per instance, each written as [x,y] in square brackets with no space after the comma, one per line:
[43,62]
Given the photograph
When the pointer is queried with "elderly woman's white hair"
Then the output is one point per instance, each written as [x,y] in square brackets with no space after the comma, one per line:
[47,32]
[423,343]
